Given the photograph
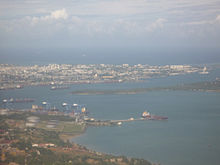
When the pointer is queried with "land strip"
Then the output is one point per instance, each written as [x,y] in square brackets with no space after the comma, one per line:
[213,86]
[37,143]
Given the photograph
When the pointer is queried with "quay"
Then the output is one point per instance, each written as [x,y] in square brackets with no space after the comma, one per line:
[127,120]
[119,122]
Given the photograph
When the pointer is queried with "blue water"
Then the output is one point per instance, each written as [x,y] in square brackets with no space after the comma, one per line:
[190,136]
[113,55]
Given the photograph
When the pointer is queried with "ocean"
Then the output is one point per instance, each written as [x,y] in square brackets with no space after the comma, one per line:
[108,55]
[190,135]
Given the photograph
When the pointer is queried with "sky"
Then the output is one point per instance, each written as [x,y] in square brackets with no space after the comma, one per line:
[112,24]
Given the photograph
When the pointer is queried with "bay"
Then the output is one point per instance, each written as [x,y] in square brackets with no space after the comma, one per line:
[190,136]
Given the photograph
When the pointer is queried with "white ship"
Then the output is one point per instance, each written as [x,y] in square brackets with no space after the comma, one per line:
[204,71]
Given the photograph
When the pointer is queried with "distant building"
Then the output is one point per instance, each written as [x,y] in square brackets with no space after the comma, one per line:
[4,111]
[35,107]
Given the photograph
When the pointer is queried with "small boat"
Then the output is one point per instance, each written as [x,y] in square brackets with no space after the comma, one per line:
[119,123]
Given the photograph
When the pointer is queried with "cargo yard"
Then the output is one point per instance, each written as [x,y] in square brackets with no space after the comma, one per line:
[76,113]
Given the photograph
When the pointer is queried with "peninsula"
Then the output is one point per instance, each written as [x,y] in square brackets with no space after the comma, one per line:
[30,138]
[208,86]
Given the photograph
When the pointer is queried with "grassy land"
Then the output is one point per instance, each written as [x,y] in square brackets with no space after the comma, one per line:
[66,130]
[212,86]
[20,150]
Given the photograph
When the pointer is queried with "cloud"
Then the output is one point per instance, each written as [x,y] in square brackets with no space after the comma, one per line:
[218,18]
[76,19]
[204,22]
[54,15]
[110,7]
[109,19]
[59,14]
[158,24]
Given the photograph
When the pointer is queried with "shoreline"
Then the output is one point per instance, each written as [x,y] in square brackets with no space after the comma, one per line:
[68,137]
[33,145]
[64,83]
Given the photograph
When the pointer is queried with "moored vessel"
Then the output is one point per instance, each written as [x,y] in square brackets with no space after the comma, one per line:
[59,87]
[148,116]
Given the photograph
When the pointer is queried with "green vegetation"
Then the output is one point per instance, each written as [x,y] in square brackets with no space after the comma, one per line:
[45,117]
[19,116]
[72,128]
[213,86]
[22,144]
[12,158]
[29,145]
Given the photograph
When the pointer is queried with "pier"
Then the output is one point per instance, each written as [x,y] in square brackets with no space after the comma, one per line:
[128,120]
[119,122]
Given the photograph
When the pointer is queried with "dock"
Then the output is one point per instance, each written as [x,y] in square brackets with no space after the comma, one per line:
[128,120]
[119,122]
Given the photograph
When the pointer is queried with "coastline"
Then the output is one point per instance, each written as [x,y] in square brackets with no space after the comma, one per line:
[209,86]
[20,86]
[37,145]
[68,137]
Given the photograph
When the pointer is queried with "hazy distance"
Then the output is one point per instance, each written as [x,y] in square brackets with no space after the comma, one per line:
[97,31]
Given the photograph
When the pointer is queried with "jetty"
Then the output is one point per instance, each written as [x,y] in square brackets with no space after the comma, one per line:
[119,122]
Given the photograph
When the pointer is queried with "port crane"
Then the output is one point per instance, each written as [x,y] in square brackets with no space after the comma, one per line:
[77,108]
[67,106]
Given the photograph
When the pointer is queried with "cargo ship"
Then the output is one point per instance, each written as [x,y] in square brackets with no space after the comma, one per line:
[59,87]
[148,116]
[24,100]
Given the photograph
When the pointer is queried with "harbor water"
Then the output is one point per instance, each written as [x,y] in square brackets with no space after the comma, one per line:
[190,135]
